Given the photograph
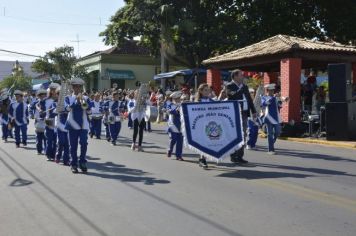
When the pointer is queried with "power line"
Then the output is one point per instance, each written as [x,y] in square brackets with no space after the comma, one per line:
[66,14]
[99,19]
[19,53]
[41,42]
[50,22]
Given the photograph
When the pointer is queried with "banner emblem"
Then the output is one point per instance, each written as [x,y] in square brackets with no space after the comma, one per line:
[213,130]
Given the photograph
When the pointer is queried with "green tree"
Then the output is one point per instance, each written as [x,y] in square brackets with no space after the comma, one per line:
[14,82]
[192,31]
[60,61]
[18,80]
[337,19]
[189,30]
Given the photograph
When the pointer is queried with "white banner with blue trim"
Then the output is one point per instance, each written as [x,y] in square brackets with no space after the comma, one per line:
[212,129]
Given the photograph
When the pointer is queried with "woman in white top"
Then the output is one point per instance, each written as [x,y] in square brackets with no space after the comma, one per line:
[138,118]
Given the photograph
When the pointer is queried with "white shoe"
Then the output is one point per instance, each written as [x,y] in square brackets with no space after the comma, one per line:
[271,153]
[133,147]
[248,147]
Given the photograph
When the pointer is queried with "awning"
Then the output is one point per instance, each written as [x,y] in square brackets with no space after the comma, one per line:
[39,86]
[225,75]
[185,72]
[120,74]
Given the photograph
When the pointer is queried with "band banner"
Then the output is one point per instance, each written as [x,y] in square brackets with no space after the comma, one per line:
[213,129]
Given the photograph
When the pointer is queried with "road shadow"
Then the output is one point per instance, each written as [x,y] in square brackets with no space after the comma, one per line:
[307,169]
[233,164]
[253,174]
[13,141]
[29,148]
[110,170]
[305,154]
[154,152]
[93,158]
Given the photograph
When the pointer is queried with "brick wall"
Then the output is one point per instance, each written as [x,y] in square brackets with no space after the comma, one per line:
[270,77]
[290,86]
[213,79]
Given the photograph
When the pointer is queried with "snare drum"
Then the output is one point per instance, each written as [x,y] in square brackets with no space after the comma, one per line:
[97,116]
[151,113]
[40,126]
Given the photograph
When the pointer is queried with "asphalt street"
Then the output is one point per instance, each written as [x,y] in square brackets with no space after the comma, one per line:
[306,189]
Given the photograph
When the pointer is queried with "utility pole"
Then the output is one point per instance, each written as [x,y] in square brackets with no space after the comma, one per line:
[78,42]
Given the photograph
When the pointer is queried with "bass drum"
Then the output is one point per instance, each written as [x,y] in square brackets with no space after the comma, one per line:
[40,126]
[151,113]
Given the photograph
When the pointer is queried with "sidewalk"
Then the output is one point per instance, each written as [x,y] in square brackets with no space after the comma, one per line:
[344,144]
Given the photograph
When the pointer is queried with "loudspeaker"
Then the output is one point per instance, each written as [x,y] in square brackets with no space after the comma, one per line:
[340,88]
[340,121]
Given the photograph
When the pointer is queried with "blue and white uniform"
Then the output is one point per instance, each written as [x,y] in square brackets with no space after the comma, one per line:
[18,111]
[105,120]
[77,125]
[4,120]
[130,106]
[252,131]
[271,119]
[39,121]
[96,118]
[114,109]
[174,130]
[62,137]
[50,132]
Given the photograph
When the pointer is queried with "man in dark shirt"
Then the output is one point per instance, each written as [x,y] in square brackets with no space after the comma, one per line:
[237,90]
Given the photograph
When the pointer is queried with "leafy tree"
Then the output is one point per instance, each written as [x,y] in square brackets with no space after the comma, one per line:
[19,81]
[60,61]
[191,31]
[337,20]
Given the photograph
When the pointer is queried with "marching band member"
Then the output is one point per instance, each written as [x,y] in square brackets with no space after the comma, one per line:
[167,103]
[38,109]
[18,114]
[77,124]
[272,118]
[5,103]
[114,110]
[96,116]
[62,135]
[252,127]
[138,117]
[130,105]
[50,132]
[106,100]
[174,126]
[238,91]
[147,127]
[203,96]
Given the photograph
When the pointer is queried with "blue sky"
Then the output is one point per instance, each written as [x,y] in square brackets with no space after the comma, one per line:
[38,26]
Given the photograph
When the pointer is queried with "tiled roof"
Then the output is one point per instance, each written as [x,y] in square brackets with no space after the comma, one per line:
[279,44]
[129,48]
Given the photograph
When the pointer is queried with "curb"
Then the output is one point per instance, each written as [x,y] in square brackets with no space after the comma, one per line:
[322,142]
